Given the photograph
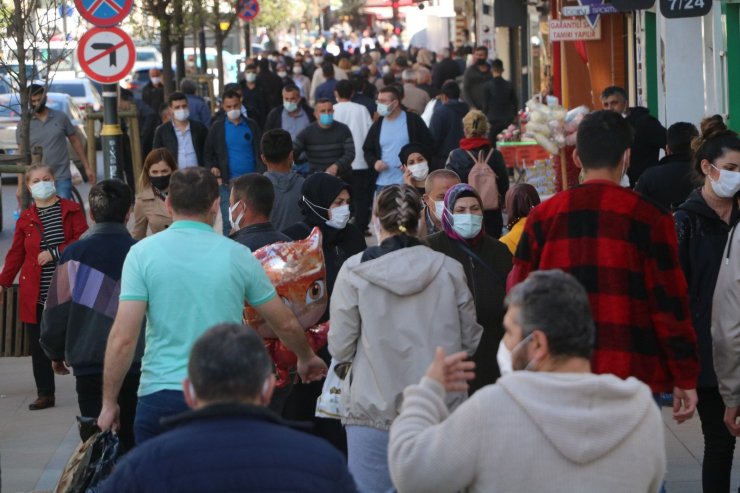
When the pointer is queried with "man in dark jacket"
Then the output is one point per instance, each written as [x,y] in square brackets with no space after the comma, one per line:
[446,125]
[671,182]
[230,441]
[270,84]
[183,137]
[394,129]
[153,91]
[253,97]
[500,103]
[649,134]
[82,303]
[475,79]
[293,115]
[250,206]
[232,149]
[444,70]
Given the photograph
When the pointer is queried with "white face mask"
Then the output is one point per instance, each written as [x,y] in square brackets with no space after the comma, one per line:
[339,217]
[233,114]
[282,74]
[467,225]
[319,60]
[251,77]
[419,171]
[728,183]
[505,358]
[182,114]
[43,190]
[297,70]
[235,222]
[439,208]
[156,80]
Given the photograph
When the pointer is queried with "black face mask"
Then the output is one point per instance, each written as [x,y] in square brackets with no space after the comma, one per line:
[161,183]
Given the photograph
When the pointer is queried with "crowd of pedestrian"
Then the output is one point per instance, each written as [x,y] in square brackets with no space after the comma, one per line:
[481,330]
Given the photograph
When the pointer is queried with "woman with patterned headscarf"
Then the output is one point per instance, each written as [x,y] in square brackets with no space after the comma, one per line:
[486,261]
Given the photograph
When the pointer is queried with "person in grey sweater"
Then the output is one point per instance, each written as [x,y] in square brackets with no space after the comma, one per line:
[325,145]
[552,426]
[277,154]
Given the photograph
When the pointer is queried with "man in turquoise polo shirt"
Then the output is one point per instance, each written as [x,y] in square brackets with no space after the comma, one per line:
[185,280]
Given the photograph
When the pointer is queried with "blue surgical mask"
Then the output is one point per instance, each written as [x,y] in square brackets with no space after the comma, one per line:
[326,118]
[384,109]
[43,190]
[467,225]
[290,106]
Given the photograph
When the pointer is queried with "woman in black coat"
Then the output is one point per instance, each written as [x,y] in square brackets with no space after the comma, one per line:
[325,204]
[487,262]
[703,223]
[475,142]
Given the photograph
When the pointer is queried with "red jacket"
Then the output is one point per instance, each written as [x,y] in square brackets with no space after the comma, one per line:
[24,253]
[623,249]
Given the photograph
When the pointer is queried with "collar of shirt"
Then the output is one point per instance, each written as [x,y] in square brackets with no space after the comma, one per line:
[187,224]
[183,132]
[242,122]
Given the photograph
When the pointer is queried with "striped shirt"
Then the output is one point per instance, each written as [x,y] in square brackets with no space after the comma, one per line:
[53,236]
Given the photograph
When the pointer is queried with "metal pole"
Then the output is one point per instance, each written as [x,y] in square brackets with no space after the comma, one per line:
[247,41]
[111,134]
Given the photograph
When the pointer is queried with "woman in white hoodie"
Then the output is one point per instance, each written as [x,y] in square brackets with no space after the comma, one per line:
[392,305]
[555,428]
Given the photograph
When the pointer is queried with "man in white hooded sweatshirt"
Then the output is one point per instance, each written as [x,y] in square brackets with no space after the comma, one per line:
[554,426]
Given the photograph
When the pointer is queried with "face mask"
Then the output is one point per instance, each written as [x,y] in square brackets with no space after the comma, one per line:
[43,190]
[282,74]
[339,217]
[235,223]
[467,225]
[298,70]
[233,114]
[290,106]
[156,80]
[326,119]
[504,357]
[419,171]
[251,77]
[728,183]
[439,208]
[161,183]
[182,115]
[319,60]
[384,109]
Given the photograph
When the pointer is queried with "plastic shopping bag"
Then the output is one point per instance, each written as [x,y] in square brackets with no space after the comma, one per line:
[91,463]
[328,403]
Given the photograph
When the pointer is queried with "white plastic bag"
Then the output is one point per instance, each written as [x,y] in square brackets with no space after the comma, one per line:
[328,403]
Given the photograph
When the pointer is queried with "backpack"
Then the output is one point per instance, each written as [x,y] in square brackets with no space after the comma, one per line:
[483,179]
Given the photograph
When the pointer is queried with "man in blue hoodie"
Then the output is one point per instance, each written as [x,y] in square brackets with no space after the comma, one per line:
[82,303]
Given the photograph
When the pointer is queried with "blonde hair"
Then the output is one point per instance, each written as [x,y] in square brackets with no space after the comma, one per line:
[475,124]
[38,167]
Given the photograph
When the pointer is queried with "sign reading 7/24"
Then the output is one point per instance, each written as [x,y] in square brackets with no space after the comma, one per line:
[674,9]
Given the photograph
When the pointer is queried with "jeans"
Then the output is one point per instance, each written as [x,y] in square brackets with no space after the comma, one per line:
[224,193]
[64,188]
[152,408]
[368,459]
[719,444]
[42,372]
[90,400]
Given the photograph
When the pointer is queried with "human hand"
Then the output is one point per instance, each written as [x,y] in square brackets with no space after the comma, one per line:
[731,416]
[333,170]
[215,171]
[109,417]
[380,166]
[45,257]
[312,369]
[453,372]
[60,367]
[407,177]
[91,178]
[684,404]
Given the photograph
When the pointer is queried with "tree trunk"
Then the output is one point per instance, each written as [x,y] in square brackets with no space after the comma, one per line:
[220,60]
[166,46]
[178,34]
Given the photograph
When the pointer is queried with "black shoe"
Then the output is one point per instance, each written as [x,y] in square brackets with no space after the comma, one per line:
[42,402]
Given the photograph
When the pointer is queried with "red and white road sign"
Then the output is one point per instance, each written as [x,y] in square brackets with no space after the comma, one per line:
[104,13]
[106,55]
[248,9]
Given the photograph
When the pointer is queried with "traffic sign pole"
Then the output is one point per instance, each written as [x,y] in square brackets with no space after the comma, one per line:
[111,134]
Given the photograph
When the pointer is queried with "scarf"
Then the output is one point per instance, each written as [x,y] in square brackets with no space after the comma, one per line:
[457,192]
[470,143]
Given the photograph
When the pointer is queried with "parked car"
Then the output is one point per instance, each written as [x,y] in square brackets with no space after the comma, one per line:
[139,78]
[145,56]
[83,92]
[10,116]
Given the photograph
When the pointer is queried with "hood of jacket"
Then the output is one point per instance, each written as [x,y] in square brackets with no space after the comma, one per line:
[584,416]
[403,272]
[283,182]
[459,107]
[696,204]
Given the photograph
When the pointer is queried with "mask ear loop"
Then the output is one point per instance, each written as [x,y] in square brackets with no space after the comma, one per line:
[311,206]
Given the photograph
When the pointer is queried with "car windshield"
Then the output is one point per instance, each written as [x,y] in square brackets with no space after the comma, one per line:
[146,56]
[74,90]
[10,108]
[56,104]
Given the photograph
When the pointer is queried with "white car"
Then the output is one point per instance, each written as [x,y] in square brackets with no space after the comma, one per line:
[83,92]
[10,116]
[146,57]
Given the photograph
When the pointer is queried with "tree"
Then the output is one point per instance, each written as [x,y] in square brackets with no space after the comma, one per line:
[280,14]
[221,24]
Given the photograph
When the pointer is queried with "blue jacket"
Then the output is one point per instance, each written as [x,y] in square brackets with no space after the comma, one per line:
[231,448]
[198,109]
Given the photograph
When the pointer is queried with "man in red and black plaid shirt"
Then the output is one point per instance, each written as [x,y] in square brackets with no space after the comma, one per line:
[623,249]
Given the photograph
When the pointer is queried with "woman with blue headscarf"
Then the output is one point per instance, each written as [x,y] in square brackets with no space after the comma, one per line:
[486,261]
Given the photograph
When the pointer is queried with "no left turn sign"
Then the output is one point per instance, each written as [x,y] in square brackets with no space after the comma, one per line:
[106,55]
